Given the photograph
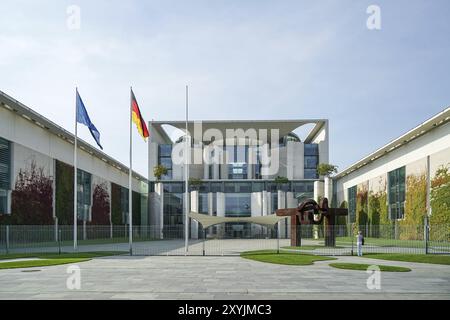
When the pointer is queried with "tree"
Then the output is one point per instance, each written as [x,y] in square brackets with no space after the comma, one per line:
[325,169]
[32,198]
[100,205]
[280,181]
[195,183]
[159,171]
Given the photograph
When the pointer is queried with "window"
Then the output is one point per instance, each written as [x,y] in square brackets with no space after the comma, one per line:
[173,209]
[83,195]
[274,202]
[216,187]
[232,187]
[165,159]
[237,205]
[257,186]
[170,187]
[5,174]
[124,205]
[311,160]
[203,203]
[352,203]
[237,156]
[311,149]
[307,186]
[396,185]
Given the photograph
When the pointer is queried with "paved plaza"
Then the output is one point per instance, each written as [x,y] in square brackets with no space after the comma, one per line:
[160,277]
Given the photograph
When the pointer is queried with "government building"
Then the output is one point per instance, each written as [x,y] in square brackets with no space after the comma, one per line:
[236,169]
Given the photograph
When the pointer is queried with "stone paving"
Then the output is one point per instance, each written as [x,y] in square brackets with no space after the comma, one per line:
[156,277]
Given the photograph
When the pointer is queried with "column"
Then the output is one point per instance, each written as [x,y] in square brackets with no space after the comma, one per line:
[194,208]
[281,205]
[210,210]
[220,212]
[328,190]
[256,211]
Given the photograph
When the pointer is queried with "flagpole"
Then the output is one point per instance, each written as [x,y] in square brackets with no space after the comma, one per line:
[186,185]
[75,176]
[130,192]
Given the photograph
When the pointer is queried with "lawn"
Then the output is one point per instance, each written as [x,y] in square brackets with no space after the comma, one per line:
[420,258]
[287,258]
[364,267]
[310,247]
[383,242]
[49,259]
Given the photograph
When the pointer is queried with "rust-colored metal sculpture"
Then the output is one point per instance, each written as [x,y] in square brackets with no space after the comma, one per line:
[310,212]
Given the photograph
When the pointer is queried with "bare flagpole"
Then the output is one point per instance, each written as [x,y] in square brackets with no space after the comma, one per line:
[75,176]
[186,178]
[130,177]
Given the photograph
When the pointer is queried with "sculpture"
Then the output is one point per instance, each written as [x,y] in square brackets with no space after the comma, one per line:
[310,212]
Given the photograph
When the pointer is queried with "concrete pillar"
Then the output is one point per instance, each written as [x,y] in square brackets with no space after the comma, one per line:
[256,210]
[220,212]
[282,205]
[250,163]
[152,159]
[328,189]
[210,210]
[194,208]
[264,203]
[318,193]
[156,201]
[318,190]
[205,171]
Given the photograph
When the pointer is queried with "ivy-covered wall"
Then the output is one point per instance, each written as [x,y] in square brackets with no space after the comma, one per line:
[411,227]
[64,193]
[361,205]
[440,197]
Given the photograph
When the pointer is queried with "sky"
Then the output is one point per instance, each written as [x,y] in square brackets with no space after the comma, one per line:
[242,59]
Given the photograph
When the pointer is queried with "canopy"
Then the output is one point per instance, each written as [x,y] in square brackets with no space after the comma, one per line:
[207,220]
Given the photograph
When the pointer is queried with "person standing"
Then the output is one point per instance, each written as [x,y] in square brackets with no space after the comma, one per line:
[359,243]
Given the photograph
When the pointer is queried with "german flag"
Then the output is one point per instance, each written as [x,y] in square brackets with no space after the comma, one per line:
[137,117]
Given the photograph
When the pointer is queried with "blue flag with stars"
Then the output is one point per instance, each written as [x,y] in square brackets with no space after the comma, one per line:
[83,118]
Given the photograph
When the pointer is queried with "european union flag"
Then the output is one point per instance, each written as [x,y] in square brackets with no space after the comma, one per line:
[83,117]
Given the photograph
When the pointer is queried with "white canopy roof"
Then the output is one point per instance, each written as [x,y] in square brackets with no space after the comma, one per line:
[207,220]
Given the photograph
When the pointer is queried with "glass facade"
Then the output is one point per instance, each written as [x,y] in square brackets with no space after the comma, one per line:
[173,209]
[237,161]
[124,206]
[237,205]
[203,203]
[241,186]
[83,194]
[165,159]
[5,174]
[396,187]
[311,161]
[352,203]
[273,202]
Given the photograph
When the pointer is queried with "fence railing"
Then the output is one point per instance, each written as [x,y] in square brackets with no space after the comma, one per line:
[222,240]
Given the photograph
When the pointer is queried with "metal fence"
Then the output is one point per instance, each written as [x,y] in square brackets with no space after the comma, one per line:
[169,240]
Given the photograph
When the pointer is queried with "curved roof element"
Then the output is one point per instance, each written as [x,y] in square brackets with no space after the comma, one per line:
[208,221]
